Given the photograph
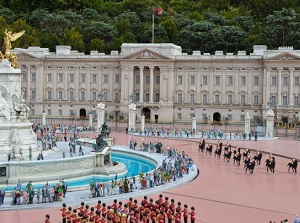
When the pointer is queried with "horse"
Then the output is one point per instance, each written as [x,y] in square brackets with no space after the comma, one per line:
[293,165]
[258,157]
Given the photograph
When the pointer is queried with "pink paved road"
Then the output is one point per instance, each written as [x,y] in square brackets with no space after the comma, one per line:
[222,192]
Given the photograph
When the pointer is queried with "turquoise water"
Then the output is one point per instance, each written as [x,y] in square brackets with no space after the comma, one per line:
[133,164]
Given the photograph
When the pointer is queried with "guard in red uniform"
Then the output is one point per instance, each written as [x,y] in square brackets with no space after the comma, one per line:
[185,213]
[170,214]
[91,215]
[63,213]
[98,206]
[193,215]
[177,216]
[47,218]
[69,215]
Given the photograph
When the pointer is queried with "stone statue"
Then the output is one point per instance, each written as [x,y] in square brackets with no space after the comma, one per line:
[10,37]
[4,108]
[21,108]
[100,143]
[105,131]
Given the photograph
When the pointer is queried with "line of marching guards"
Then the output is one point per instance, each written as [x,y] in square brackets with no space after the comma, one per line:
[130,212]
[249,162]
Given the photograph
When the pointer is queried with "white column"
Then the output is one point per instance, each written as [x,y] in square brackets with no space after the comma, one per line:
[151,84]
[132,114]
[142,123]
[130,82]
[88,85]
[66,81]
[194,123]
[28,83]
[266,86]
[279,86]
[247,123]
[76,76]
[270,124]
[291,87]
[43,118]
[170,84]
[141,83]
[236,99]
[90,120]
[54,84]
[100,115]
[249,85]
[223,88]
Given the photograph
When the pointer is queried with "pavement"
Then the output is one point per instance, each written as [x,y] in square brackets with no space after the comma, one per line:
[222,192]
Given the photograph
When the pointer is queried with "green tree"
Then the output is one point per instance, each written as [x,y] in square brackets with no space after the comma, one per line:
[171,29]
[97,44]
[49,40]
[73,38]
[8,14]
[100,30]
[282,28]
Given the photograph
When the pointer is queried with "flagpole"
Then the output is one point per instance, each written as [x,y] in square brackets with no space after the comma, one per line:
[152,26]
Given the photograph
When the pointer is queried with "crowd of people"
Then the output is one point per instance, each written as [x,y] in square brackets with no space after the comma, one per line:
[47,194]
[149,210]
[250,161]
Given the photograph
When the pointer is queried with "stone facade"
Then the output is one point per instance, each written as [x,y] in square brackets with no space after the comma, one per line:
[169,85]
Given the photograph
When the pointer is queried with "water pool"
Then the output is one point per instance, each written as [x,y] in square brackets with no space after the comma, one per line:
[133,164]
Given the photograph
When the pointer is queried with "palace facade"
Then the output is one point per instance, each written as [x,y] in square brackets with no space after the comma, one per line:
[169,85]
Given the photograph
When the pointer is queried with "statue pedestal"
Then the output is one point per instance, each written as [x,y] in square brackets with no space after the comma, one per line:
[15,129]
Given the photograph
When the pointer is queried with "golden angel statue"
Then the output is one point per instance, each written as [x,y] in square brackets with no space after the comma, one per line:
[8,38]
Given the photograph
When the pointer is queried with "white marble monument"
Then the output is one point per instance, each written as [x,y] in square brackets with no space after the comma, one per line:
[132,117]
[270,124]
[100,115]
[247,123]
[142,123]
[15,129]
[194,123]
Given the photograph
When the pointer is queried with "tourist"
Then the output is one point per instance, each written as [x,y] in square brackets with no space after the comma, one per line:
[113,185]
[24,197]
[2,195]
[38,195]
[297,219]
[92,188]
[8,155]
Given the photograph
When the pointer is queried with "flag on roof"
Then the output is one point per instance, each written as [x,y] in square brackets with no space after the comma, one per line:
[157,10]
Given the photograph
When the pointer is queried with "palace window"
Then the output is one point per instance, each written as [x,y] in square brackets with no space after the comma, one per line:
[243,99]
[147,79]
[117,97]
[217,80]
[192,98]
[242,118]
[273,81]
[157,97]
[296,81]
[285,81]
[94,96]
[284,100]
[230,80]
[60,78]
[229,99]
[105,78]
[217,99]
[49,112]
[179,116]
[204,98]
[49,95]
[49,77]
[243,80]
[192,78]
[117,78]
[60,112]
[204,80]
[82,95]
[33,95]
[137,79]
[94,78]
[23,77]
[296,100]
[157,79]
[33,77]
[72,95]
[255,101]
[179,98]
[72,79]
[179,80]
[82,78]
[256,81]
[60,95]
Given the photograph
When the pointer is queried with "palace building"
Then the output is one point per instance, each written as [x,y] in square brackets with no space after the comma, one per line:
[169,85]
